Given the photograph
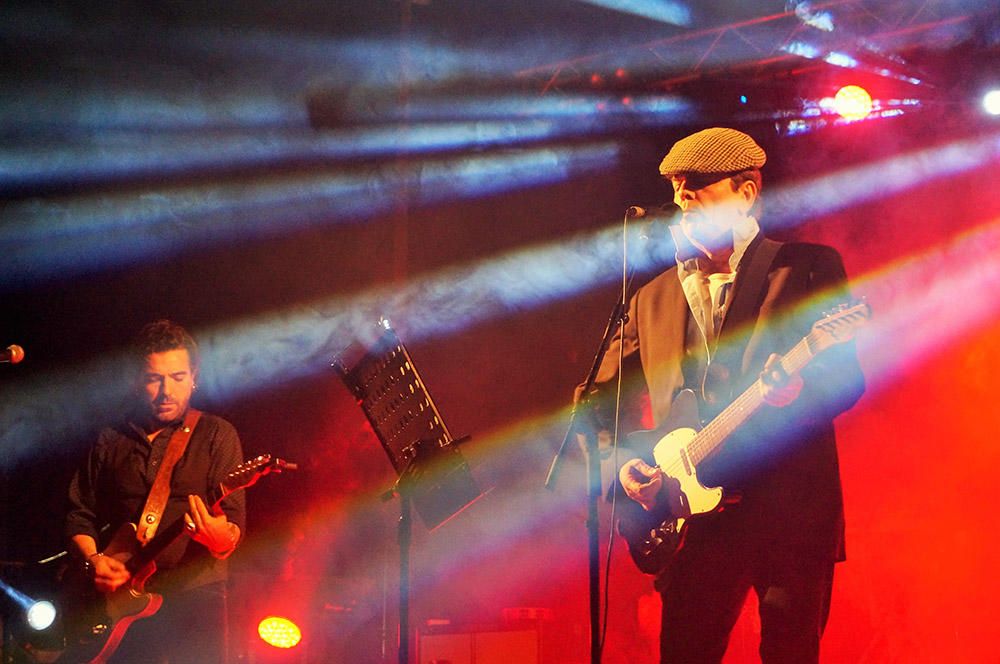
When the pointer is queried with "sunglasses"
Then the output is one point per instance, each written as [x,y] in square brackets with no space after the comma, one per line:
[696,181]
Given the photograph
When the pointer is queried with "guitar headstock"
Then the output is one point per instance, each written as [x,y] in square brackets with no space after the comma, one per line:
[247,473]
[839,326]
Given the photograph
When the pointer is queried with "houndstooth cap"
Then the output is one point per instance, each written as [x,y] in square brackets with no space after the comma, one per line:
[715,150]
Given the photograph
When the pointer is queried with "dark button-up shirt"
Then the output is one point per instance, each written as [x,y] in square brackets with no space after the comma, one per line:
[111,487]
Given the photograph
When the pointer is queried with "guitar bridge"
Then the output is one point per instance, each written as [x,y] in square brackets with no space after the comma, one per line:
[656,536]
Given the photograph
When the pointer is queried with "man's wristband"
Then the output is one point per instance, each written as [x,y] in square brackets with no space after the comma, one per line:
[88,563]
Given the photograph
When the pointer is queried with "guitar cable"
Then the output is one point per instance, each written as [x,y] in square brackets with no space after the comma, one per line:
[615,434]
[62,554]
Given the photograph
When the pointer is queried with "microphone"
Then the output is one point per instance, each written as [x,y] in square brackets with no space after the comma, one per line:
[636,212]
[12,354]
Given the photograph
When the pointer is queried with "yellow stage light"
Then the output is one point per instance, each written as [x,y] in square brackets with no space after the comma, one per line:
[853,102]
[279,632]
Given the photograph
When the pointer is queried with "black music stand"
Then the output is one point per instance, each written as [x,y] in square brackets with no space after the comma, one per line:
[432,475]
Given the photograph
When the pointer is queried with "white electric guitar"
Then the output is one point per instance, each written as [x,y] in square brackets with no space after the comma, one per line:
[678,453]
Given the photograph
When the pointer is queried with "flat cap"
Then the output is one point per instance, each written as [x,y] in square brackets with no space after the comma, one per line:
[715,150]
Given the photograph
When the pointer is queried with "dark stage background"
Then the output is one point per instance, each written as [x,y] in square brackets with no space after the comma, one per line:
[276,178]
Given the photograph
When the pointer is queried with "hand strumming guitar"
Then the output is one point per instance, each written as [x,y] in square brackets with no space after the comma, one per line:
[213,531]
[109,573]
[642,482]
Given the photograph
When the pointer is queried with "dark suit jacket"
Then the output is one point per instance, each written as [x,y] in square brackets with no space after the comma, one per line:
[784,460]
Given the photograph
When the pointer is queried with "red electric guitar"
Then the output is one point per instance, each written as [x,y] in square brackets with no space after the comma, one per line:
[101,623]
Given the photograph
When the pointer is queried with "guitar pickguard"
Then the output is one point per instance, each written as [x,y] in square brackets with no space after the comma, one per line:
[685,493]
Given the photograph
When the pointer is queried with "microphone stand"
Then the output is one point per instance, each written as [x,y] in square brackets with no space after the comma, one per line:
[619,316]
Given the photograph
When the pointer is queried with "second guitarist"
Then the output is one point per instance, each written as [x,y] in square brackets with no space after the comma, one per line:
[713,323]
[112,487]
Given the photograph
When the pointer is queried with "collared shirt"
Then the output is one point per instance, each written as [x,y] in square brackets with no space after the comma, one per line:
[707,292]
[113,484]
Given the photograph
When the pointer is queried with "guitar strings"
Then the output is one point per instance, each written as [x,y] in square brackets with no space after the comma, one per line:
[708,439]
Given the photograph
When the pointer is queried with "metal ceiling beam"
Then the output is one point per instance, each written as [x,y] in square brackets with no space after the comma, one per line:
[863,29]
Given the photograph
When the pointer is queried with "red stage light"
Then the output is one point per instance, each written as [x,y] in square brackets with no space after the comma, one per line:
[279,632]
[852,102]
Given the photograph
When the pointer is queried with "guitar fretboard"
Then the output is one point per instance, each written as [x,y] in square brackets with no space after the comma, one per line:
[735,414]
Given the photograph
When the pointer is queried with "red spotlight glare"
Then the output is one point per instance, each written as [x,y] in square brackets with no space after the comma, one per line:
[621,73]
[595,79]
[279,632]
[852,102]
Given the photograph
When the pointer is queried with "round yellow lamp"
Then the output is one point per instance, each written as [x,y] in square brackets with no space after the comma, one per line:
[279,632]
[852,102]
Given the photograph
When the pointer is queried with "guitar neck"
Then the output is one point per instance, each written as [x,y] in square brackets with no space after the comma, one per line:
[739,411]
[167,536]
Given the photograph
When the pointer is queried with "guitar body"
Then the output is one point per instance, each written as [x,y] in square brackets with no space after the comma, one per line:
[685,496]
[102,625]
[124,607]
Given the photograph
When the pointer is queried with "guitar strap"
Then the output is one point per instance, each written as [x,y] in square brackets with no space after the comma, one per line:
[152,512]
[747,289]
[747,292]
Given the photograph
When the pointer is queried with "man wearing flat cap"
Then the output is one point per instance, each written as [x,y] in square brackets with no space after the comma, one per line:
[713,323]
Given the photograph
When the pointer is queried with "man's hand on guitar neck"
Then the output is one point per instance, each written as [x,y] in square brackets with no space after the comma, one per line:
[777,387]
[211,530]
[642,482]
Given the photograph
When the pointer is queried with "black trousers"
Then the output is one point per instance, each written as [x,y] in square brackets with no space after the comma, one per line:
[704,590]
[190,628]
